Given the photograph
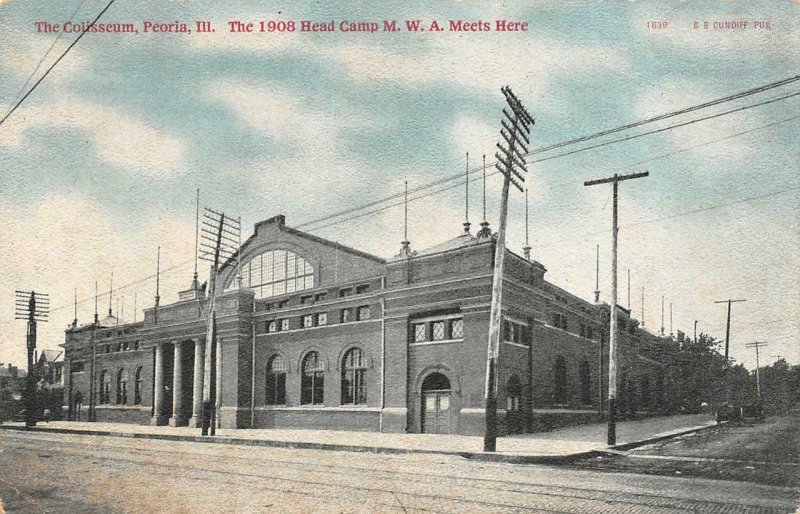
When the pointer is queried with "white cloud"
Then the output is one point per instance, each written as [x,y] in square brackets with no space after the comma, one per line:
[118,138]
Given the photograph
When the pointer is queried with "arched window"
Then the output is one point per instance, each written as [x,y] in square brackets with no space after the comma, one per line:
[137,386]
[312,383]
[276,381]
[586,383]
[105,387]
[122,387]
[354,370]
[560,380]
[513,393]
[277,272]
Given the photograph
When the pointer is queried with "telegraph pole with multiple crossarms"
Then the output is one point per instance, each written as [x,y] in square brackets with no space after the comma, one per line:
[31,307]
[219,239]
[612,340]
[511,162]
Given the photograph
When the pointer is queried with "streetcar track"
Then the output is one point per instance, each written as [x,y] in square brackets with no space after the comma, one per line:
[589,494]
[316,494]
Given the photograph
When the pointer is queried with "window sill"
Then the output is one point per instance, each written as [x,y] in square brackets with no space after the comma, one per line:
[443,341]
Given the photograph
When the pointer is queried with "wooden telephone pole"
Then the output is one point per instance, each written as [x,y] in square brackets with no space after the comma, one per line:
[612,340]
[757,345]
[31,307]
[220,239]
[728,326]
[515,130]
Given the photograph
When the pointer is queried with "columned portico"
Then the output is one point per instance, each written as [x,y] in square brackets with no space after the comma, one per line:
[158,388]
[197,386]
[177,417]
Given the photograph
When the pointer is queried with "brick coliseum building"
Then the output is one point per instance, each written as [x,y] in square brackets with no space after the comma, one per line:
[320,335]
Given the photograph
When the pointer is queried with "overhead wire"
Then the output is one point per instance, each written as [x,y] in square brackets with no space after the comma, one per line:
[459,176]
[49,69]
[661,156]
[46,53]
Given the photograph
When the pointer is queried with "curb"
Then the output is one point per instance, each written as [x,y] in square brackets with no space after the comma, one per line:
[477,456]
[664,437]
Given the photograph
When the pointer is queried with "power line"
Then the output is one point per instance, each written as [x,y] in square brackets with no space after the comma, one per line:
[49,49]
[458,176]
[458,184]
[663,129]
[761,127]
[19,102]
[718,101]
[446,188]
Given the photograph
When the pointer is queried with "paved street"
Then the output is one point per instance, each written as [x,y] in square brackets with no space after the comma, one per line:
[46,472]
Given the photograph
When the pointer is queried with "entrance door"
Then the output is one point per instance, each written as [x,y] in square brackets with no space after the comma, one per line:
[436,405]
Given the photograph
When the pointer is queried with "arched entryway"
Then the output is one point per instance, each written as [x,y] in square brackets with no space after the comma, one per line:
[436,404]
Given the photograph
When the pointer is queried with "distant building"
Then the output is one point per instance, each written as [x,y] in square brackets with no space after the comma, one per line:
[50,375]
[320,335]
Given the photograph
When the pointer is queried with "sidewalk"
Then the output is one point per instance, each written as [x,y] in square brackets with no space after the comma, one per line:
[557,446]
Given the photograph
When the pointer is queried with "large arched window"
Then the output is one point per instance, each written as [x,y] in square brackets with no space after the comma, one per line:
[560,380]
[122,387]
[276,381]
[354,371]
[586,383]
[137,386]
[312,383]
[277,272]
[105,387]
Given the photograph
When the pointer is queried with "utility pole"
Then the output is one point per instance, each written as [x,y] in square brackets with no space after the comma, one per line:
[31,307]
[515,130]
[219,240]
[612,342]
[757,345]
[695,331]
[728,326]
[662,315]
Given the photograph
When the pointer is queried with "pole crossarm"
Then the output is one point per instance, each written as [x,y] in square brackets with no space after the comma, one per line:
[616,178]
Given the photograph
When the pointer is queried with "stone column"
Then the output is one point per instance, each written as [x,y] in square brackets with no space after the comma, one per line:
[197,386]
[158,388]
[177,387]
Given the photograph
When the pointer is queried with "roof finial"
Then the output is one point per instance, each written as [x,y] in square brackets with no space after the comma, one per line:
[75,319]
[597,277]
[195,283]
[526,250]
[406,248]
[484,231]
[466,203]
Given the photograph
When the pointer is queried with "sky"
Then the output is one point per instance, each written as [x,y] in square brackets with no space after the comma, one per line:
[99,166]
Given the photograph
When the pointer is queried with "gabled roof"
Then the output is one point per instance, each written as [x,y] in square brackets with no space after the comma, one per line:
[50,355]
[280,222]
